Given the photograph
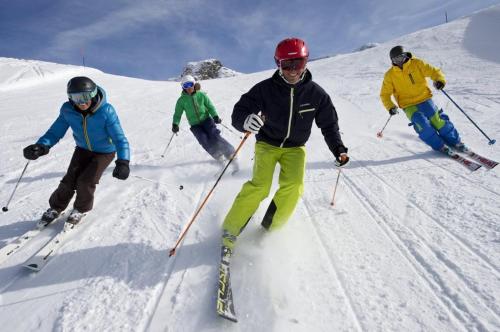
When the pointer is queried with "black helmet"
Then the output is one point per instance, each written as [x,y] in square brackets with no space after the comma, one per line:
[395,51]
[81,89]
[80,84]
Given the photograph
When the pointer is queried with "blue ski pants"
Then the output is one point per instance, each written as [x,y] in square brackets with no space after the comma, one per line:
[210,139]
[432,126]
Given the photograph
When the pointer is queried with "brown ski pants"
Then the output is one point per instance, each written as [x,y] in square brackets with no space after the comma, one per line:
[84,171]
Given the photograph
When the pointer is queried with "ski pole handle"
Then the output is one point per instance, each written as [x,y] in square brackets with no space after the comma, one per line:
[6,207]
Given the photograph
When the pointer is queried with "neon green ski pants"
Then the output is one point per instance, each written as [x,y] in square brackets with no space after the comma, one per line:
[291,187]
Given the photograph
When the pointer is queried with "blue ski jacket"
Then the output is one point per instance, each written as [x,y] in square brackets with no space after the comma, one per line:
[98,130]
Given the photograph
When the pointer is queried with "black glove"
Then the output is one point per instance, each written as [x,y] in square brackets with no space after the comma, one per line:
[217,119]
[438,85]
[33,151]
[121,170]
[341,160]
[175,128]
[393,111]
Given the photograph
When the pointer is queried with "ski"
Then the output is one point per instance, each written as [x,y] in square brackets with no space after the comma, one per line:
[469,164]
[42,257]
[12,247]
[225,305]
[488,163]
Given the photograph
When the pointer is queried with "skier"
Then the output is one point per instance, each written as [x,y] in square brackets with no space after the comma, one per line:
[289,102]
[202,117]
[98,135]
[406,81]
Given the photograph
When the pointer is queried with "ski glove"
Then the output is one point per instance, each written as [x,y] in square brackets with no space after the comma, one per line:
[33,151]
[252,123]
[439,85]
[121,170]
[393,111]
[341,160]
[175,128]
[217,119]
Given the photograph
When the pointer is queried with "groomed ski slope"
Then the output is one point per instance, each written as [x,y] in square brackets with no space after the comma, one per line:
[413,242]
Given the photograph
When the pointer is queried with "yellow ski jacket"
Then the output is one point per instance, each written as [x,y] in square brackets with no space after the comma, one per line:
[408,85]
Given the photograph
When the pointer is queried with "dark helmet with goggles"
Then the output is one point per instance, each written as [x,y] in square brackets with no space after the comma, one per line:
[81,90]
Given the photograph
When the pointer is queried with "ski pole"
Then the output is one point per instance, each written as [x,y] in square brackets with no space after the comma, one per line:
[170,141]
[183,233]
[491,141]
[230,130]
[6,207]
[379,134]
[332,203]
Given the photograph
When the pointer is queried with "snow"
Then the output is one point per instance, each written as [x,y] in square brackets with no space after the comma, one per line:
[412,243]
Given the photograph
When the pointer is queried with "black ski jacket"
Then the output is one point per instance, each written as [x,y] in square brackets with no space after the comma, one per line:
[288,112]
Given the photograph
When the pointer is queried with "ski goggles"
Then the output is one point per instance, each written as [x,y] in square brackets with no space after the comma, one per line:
[399,60]
[293,64]
[81,98]
[187,85]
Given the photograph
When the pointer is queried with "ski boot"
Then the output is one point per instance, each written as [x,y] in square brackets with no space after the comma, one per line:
[48,216]
[226,253]
[447,150]
[228,240]
[461,147]
[75,217]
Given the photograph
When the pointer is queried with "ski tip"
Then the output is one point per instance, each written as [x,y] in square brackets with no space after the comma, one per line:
[228,316]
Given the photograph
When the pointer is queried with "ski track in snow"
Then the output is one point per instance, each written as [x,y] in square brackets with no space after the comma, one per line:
[412,243]
[415,245]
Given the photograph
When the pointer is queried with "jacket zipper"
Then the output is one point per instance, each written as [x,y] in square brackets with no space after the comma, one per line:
[87,139]
[411,79]
[289,119]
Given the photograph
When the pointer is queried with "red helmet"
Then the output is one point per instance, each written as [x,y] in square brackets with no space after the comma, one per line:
[290,48]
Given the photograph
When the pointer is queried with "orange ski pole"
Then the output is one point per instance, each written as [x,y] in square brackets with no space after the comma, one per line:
[332,203]
[183,233]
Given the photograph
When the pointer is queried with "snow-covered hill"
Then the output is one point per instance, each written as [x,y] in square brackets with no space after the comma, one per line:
[413,242]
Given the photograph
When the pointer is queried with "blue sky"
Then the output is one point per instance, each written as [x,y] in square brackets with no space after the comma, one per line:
[154,39]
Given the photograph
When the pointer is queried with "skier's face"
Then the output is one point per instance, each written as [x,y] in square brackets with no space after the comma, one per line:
[292,69]
[84,107]
[292,75]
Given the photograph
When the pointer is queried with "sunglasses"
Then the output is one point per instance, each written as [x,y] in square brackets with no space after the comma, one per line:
[81,98]
[293,64]
[187,85]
